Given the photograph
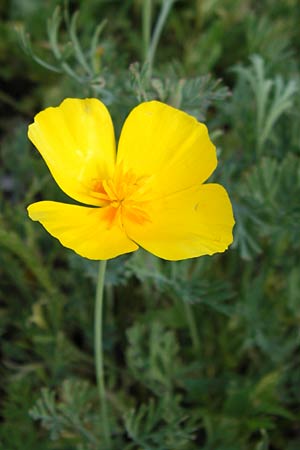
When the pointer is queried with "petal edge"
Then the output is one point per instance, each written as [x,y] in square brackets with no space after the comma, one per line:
[76,140]
[167,144]
[188,224]
[82,229]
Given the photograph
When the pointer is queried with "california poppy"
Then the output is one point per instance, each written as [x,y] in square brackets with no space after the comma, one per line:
[150,193]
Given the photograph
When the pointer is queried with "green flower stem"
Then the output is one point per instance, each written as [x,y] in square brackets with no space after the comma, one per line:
[99,352]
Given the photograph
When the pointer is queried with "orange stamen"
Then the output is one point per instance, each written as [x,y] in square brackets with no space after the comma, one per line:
[123,197]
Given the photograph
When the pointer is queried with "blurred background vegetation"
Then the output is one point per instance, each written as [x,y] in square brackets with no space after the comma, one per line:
[200,354]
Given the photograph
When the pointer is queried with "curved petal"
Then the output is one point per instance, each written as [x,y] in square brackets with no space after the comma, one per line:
[171,146]
[192,223]
[82,229]
[76,140]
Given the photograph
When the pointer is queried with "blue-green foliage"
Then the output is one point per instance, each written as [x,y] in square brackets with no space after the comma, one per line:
[199,354]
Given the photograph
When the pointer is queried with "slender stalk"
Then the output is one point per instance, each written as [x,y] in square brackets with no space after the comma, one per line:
[192,326]
[147,21]
[164,12]
[188,314]
[98,323]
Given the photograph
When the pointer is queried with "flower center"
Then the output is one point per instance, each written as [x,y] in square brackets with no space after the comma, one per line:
[124,196]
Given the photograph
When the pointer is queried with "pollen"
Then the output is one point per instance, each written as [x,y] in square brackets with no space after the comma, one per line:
[124,197]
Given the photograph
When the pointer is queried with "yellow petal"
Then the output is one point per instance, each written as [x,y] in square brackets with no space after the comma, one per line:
[191,223]
[76,140]
[167,144]
[82,229]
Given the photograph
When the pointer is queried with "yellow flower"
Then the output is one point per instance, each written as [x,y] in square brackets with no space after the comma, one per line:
[149,194]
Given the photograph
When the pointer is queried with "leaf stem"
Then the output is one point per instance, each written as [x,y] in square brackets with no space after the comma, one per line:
[98,327]
[164,12]
[188,314]
[192,326]
[147,21]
